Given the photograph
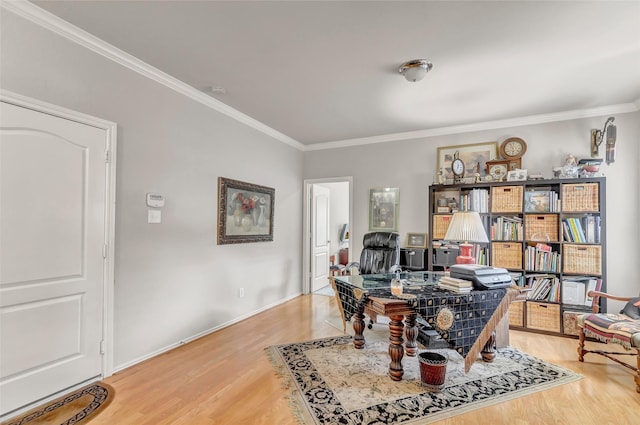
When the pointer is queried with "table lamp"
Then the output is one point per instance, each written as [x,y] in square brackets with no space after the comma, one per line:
[465,227]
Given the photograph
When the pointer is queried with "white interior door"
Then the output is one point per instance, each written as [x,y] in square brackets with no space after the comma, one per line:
[52,240]
[320,204]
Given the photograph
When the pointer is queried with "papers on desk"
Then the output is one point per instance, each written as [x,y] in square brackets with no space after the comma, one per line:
[413,281]
[455,285]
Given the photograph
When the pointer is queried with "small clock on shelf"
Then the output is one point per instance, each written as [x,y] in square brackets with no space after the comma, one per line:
[457,167]
[498,169]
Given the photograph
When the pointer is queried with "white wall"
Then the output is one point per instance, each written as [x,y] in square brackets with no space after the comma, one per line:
[411,165]
[172,281]
[339,213]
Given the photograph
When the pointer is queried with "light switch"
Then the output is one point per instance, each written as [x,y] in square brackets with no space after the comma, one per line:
[154,216]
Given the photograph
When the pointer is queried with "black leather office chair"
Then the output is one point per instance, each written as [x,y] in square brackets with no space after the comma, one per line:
[380,253]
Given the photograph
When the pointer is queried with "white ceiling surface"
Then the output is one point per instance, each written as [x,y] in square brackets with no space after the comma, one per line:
[327,71]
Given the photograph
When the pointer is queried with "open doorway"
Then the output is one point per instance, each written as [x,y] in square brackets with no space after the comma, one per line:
[327,210]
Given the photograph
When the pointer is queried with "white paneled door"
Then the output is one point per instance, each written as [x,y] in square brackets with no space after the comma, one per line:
[53,183]
[320,243]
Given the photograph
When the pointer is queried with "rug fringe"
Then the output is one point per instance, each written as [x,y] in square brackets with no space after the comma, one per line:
[288,383]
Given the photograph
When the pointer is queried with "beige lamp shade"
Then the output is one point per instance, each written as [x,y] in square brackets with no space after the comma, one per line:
[466,226]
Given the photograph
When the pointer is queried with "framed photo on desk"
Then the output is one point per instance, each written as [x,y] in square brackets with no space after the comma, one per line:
[416,240]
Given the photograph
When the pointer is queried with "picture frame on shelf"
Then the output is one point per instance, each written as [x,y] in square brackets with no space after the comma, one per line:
[383,209]
[515,163]
[416,240]
[537,201]
[245,212]
[516,175]
[474,156]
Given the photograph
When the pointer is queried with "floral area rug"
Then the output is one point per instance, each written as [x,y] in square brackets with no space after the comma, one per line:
[331,382]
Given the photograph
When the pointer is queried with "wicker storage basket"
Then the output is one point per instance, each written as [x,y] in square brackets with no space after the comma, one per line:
[580,197]
[541,227]
[506,199]
[543,316]
[506,254]
[516,314]
[440,225]
[584,259]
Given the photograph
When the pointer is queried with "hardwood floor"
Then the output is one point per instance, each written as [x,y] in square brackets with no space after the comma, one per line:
[224,379]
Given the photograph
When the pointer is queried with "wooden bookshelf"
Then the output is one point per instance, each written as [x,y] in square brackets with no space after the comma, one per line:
[548,233]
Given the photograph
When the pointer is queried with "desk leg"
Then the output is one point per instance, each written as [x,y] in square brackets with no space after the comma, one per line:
[411,333]
[358,328]
[396,350]
[489,351]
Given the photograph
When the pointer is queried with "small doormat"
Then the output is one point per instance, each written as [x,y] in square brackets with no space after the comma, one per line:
[333,383]
[76,408]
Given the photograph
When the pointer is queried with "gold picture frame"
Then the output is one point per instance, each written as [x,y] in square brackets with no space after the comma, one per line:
[474,156]
[416,240]
[245,212]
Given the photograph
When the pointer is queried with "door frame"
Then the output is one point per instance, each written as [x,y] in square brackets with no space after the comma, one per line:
[306,231]
[110,129]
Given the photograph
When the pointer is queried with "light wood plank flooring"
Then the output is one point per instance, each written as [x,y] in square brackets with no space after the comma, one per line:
[226,378]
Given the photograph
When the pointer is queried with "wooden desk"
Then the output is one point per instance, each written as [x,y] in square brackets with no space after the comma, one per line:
[450,313]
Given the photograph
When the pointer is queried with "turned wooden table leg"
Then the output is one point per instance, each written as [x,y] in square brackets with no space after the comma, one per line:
[411,334]
[396,350]
[489,350]
[581,351]
[358,328]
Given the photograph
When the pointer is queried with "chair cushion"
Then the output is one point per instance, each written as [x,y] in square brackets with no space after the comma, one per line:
[632,308]
[616,328]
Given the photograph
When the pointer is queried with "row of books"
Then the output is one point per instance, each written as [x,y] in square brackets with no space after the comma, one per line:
[476,200]
[541,201]
[584,229]
[518,278]
[480,254]
[454,284]
[543,288]
[541,257]
[575,290]
[507,228]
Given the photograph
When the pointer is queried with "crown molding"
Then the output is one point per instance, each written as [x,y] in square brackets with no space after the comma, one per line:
[481,126]
[63,28]
[47,20]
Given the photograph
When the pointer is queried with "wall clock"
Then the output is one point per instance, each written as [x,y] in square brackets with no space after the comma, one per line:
[513,147]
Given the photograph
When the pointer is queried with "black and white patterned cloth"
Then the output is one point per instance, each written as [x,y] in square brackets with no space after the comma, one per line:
[458,317]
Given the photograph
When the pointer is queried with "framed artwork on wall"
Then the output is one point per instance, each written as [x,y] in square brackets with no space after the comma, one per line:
[383,209]
[474,156]
[245,212]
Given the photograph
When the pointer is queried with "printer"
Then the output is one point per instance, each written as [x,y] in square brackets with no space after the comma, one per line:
[483,277]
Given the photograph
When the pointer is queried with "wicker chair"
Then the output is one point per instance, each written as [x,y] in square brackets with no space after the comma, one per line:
[623,329]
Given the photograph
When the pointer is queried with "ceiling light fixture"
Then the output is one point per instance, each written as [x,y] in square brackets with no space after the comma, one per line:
[416,69]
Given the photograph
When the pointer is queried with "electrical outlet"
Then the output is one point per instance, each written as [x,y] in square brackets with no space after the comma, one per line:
[240,292]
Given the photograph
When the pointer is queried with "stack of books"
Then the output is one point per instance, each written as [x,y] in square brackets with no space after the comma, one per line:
[454,284]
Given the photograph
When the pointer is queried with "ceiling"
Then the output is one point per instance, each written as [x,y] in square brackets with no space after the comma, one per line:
[325,73]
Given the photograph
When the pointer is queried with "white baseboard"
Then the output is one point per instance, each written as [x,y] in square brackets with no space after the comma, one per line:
[203,333]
